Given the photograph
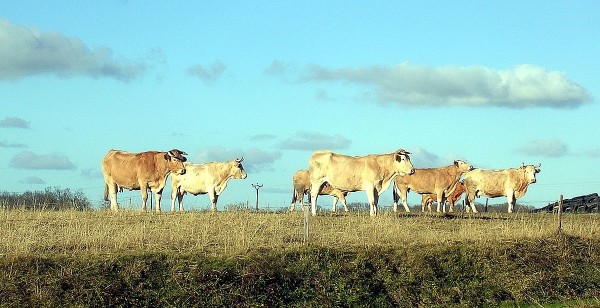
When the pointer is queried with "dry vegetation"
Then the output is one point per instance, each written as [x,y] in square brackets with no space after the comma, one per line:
[233,258]
[238,232]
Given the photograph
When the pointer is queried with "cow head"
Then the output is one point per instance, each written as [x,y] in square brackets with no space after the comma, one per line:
[237,171]
[530,171]
[402,163]
[175,161]
[463,166]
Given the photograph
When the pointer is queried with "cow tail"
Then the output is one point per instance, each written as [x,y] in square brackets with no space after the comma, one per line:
[105,192]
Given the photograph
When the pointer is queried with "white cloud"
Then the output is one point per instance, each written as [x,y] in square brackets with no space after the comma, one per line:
[407,84]
[541,147]
[26,51]
[30,160]
[315,141]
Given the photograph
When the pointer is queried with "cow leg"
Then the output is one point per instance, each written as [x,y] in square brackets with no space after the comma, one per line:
[180,200]
[451,209]
[335,201]
[315,189]
[175,194]
[158,195]
[404,195]
[343,199]
[295,199]
[213,200]
[511,201]
[112,191]
[144,191]
[395,197]
[372,197]
[441,203]
[470,199]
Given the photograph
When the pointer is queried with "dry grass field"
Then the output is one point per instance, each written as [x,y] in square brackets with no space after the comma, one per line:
[243,258]
[238,232]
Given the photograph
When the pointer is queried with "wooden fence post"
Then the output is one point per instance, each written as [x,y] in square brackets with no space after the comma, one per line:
[560,211]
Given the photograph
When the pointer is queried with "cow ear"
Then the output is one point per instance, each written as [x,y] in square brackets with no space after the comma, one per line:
[167,156]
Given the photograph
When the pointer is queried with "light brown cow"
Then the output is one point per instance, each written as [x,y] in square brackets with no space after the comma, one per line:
[453,196]
[511,183]
[372,173]
[139,171]
[438,181]
[301,182]
[210,178]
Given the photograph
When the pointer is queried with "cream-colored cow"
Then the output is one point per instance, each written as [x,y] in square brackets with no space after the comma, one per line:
[372,173]
[511,183]
[210,178]
[301,182]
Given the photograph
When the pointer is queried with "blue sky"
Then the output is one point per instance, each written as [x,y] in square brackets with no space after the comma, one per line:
[495,84]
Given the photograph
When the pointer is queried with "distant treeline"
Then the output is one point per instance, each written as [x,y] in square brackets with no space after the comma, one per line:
[51,199]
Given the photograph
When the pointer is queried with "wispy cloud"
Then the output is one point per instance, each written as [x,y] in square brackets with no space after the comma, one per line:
[26,51]
[421,158]
[593,153]
[263,137]
[524,86]
[544,147]
[30,160]
[254,159]
[32,180]
[208,74]
[12,145]
[311,141]
[91,174]
[14,122]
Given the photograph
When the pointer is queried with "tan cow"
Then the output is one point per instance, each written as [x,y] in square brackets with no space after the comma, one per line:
[301,181]
[372,173]
[511,183]
[139,171]
[453,196]
[210,178]
[438,181]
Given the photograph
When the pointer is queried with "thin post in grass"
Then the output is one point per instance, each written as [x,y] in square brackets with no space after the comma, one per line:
[306,223]
[560,211]
[257,187]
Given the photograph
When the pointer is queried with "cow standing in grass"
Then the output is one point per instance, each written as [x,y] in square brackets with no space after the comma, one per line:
[139,171]
[301,182]
[210,178]
[511,183]
[372,173]
[438,181]
[453,196]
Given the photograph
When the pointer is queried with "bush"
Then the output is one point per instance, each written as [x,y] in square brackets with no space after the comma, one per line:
[50,199]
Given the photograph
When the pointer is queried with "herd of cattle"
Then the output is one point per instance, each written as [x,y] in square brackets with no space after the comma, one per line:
[329,173]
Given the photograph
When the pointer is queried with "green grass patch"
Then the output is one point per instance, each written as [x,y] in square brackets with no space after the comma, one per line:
[517,273]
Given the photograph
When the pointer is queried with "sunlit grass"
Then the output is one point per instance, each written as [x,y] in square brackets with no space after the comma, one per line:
[237,232]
